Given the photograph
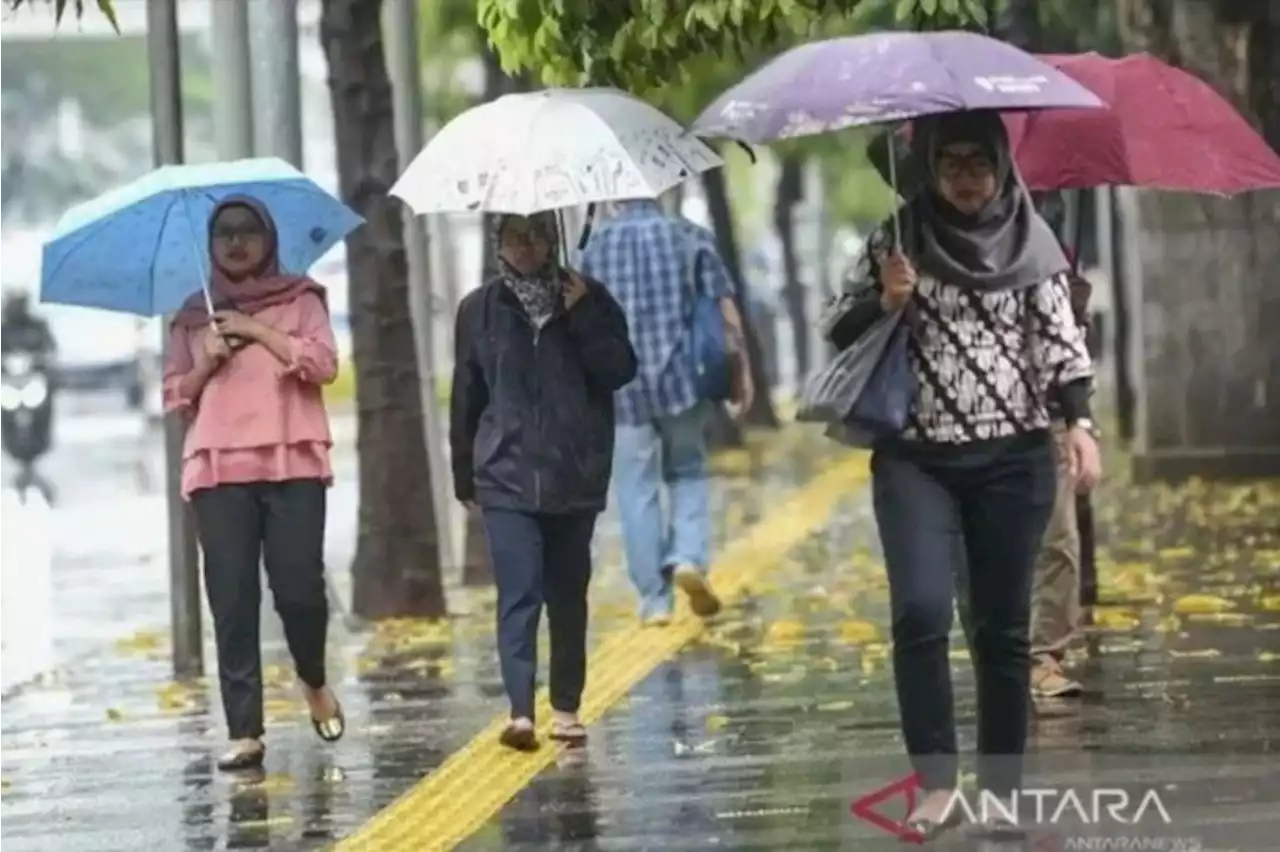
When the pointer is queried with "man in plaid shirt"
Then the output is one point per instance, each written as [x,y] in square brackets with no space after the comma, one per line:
[656,266]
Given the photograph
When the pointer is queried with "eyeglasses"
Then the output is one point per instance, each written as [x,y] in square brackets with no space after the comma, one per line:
[976,166]
[536,237]
[227,233]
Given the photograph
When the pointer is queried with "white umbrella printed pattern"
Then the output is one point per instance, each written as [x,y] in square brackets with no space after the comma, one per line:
[552,149]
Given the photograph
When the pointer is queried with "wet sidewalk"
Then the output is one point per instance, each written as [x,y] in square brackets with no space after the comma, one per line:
[108,754]
[756,736]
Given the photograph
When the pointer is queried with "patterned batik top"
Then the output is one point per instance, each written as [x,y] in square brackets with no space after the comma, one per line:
[986,363]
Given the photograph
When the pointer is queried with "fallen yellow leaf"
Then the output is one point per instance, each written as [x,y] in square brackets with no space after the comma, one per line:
[1115,618]
[1271,603]
[858,632]
[716,721]
[114,715]
[1200,604]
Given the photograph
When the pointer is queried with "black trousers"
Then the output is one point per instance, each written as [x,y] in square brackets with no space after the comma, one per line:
[987,503]
[539,559]
[281,525]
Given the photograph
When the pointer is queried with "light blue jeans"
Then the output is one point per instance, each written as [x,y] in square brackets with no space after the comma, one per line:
[672,451]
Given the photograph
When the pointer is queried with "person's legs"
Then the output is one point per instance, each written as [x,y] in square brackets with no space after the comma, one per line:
[293,552]
[684,470]
[229,521]
[516,548]
[1055,591]
[566,549]
[1005,510]
[636,484]
[918,522]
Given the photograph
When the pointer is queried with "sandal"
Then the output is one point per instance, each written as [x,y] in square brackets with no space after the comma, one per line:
[518,738]
[331,730]
[240,759]
[572,734]
[926,828]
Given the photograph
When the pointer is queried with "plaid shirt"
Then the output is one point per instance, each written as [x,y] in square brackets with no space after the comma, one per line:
[656,265]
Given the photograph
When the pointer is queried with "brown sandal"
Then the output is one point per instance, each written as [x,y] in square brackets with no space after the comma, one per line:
[573,735]
[518,738]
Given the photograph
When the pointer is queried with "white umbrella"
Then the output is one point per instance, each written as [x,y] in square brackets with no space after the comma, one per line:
[552,149]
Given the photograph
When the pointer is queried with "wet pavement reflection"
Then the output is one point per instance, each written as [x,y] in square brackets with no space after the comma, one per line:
[757,737]
[763,736]
[108,754]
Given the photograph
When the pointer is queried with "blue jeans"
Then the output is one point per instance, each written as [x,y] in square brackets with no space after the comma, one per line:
[670,450]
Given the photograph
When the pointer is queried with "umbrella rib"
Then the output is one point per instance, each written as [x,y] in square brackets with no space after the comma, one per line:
[155,249]
[83,235]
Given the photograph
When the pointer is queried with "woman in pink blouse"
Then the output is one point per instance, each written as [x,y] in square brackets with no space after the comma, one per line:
[255,464]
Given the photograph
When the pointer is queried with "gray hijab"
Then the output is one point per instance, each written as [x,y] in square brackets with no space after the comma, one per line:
[539,292]
[1007,246]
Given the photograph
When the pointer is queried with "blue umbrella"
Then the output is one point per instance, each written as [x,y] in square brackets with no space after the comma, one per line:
[143,248]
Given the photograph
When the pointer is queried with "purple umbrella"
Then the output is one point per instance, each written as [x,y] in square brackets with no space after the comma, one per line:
[891,76]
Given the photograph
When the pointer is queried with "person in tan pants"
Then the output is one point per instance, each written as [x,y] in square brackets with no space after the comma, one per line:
[1055,593]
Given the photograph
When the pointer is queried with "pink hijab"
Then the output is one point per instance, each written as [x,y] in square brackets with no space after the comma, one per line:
[266,287]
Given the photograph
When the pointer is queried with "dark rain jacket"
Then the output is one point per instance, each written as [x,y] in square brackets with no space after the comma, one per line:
[531,419]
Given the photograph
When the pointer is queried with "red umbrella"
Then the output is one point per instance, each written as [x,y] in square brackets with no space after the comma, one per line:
[1164,129]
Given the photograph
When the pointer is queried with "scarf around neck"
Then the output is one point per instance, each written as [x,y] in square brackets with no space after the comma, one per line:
[538,292]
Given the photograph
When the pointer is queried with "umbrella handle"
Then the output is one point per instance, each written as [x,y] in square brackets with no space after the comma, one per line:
[893,182]
[200,256]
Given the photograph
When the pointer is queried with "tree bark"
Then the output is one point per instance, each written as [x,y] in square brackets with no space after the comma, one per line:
[396,571]
[477,568]
[1208,357]
[761,413]
[788,195]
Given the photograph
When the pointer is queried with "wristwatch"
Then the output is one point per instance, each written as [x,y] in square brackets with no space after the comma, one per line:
[1087,425]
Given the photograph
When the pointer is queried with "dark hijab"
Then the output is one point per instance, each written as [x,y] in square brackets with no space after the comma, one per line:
[1006,246]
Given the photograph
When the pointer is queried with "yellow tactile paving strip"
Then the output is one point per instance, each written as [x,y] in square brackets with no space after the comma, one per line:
[474,783]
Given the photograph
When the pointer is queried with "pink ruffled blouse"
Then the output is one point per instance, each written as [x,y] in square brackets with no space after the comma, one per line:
[257,419]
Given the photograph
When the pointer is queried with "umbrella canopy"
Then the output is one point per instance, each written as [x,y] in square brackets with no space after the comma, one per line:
[552,149]
[890,76]
[1163,129]
[144,248]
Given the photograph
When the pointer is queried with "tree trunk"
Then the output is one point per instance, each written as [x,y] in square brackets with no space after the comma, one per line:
[477,569]
[396,571]
[1208,355]
[761,412]
[788,195]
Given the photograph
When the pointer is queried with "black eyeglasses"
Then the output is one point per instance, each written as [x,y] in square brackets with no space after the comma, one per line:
[245,231]
[976,166]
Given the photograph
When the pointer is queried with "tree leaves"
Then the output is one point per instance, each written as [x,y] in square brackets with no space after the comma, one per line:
[105,7]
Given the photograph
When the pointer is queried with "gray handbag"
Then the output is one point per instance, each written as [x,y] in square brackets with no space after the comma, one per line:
[831,394]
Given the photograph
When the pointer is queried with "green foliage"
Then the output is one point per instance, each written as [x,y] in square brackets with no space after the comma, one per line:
[106,7]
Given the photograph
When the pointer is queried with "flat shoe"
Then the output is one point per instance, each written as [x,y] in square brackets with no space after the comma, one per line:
[331,730]
[238,760]
[519,739]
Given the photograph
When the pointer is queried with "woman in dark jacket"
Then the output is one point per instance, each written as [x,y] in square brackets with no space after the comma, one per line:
[983,284]
[540,352]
